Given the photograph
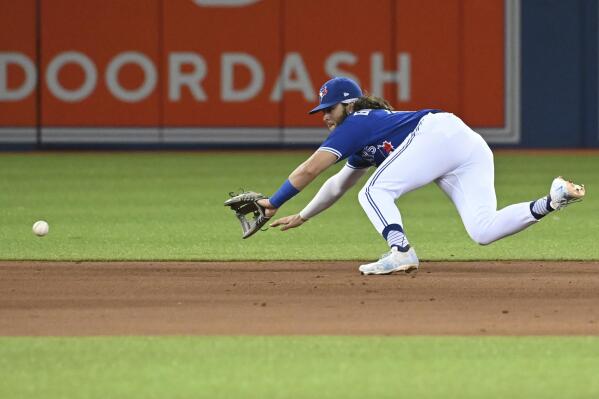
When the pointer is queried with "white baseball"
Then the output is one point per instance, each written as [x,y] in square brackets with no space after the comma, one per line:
[41,228]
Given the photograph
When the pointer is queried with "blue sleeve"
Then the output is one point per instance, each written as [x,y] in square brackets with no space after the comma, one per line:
[346,139]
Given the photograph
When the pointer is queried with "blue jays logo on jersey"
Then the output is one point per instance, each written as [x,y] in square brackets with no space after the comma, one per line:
[387,146]
[323,92]
[376,154]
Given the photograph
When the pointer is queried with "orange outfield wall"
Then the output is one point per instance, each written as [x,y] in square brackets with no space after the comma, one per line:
[180,63]
[100,30]
[18,34]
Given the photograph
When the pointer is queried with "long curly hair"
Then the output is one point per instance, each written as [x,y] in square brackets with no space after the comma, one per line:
[368,101]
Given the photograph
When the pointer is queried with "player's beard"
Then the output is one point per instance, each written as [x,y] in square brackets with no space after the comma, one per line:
[341,120]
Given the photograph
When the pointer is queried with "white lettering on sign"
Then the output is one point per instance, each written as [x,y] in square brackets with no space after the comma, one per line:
[227,78]
[187,70]
[178,79]
[293,65]
[89,82]
[331,65]
[401,77]
[112,73]
[18,93]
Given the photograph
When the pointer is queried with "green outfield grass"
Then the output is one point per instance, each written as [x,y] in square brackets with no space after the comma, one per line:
[169,206]
[299,367]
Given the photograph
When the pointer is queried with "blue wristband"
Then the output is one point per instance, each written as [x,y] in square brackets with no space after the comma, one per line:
[283,194]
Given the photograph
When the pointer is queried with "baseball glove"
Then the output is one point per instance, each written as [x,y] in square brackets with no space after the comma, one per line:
[251,215]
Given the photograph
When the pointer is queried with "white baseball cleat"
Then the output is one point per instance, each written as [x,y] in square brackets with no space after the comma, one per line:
[392,261]
[564,192]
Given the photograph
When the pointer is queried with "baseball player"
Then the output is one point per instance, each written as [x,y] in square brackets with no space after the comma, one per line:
[409,149]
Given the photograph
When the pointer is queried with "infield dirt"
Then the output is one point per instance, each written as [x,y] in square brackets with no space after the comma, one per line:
[283,298]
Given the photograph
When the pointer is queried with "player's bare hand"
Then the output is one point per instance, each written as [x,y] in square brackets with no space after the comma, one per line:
[288,222]
[270,210]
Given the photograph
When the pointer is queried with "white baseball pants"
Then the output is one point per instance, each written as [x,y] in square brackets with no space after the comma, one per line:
[444,150]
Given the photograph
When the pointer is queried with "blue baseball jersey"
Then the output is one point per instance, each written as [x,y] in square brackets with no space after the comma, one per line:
[368,136]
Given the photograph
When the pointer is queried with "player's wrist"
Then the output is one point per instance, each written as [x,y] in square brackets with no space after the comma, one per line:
[283,194]
[303,216]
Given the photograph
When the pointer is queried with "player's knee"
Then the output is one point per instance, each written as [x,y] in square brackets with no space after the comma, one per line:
[484,242]
[481,237]
[362,197]
[368,194]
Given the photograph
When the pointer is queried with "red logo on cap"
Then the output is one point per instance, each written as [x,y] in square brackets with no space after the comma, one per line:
[323,92]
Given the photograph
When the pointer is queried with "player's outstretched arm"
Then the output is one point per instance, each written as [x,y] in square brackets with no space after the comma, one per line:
[311,169]
[333,189]
[298,179]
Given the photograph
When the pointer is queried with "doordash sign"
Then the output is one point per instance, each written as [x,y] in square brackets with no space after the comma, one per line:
[243,63]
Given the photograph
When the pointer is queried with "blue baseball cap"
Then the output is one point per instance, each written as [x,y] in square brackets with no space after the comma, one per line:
[335,91]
